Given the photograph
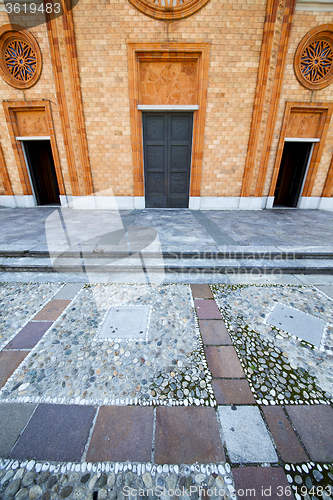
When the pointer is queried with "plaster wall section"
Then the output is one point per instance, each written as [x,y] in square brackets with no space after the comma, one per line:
[43,89]
[293,91]
[234,31]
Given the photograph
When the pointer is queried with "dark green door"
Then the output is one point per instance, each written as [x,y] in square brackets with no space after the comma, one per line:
[167,140]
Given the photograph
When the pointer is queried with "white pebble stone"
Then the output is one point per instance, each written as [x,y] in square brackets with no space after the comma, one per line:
[287,467]
[77,468]
[176,469]
[89,467]
[38,467]
[15,465]
[9,464]
[69,465]
[159,469]
[30,464]
[289,478]
[63,469]
[203,469]
[153,471]
[228,479]
[73,468]
[84,467]
[165,468]
[228,468]
[148,467]
[121,466]
[221,469]
[45,466]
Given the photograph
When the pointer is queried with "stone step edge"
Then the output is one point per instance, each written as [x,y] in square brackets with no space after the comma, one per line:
[172,269]
[209,254]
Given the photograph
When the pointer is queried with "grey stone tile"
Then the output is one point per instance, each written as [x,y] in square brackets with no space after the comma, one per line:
[13,417]
[55,432]
[245,435]
[315,279]
[69,291]
[264,278]
[125,322]
[298,323]
[327,289]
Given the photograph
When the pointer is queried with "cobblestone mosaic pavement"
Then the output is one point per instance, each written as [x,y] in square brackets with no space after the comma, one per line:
[281,368]
[19,303]
[69,366]
[211,368]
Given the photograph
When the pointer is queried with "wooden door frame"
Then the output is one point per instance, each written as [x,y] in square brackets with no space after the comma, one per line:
[325,111]
[165,52]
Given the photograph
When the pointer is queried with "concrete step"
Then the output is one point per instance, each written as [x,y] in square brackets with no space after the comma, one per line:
[176,264]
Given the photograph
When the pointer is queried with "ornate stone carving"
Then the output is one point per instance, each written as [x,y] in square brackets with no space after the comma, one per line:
[168,10]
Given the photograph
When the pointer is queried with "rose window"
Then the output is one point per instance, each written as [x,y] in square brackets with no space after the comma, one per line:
[314,59]
[168,10]
[20,58]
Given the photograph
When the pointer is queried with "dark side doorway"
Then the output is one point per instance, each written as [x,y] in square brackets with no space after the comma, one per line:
[42,171]
[292,171]
[167,141]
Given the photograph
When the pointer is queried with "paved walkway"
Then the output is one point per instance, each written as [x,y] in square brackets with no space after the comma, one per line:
[182,229]
[208,395]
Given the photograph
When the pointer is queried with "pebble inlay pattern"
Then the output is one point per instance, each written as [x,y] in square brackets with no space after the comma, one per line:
[19,303]
[113,480]
[310,480]
[68,366]
[280,368]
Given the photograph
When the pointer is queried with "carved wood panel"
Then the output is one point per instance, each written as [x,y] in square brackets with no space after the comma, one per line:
[32,123]
[303,125]
[168,82]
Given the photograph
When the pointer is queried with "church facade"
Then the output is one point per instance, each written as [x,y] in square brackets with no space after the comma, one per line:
[200,104]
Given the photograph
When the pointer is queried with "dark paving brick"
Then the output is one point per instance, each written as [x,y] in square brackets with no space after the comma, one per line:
[283,434]
[207,309]
[28,337]
[233,392]
[223,362]
[187,435]
[214,332]
[13,417]
[55,432]
[314,425]
[201,292]
[9,361]
[262,483]
[52,310]
[122,433]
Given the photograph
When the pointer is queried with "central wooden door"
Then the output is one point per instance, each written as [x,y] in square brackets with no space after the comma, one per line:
[167,140]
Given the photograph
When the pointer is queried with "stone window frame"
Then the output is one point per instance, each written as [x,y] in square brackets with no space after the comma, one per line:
[18,33]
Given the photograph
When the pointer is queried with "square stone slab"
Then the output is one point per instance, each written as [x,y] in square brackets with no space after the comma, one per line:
[55,433]
[122,433]
[187,435]
[200,291]
[262,483]
[207,309]
[214,332]
[286,441]
[246,435]
[233,392]
[9,361]
[314,424]
[125,323]
[52,310]
[30,335]
[13,417]
[298,323]
[223,362]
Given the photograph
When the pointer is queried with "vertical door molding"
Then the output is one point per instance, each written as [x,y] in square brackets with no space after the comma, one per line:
[11,109]
[276,92]
[307,121]
[61,99]
[68,24]
[4,176]
[168,52]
